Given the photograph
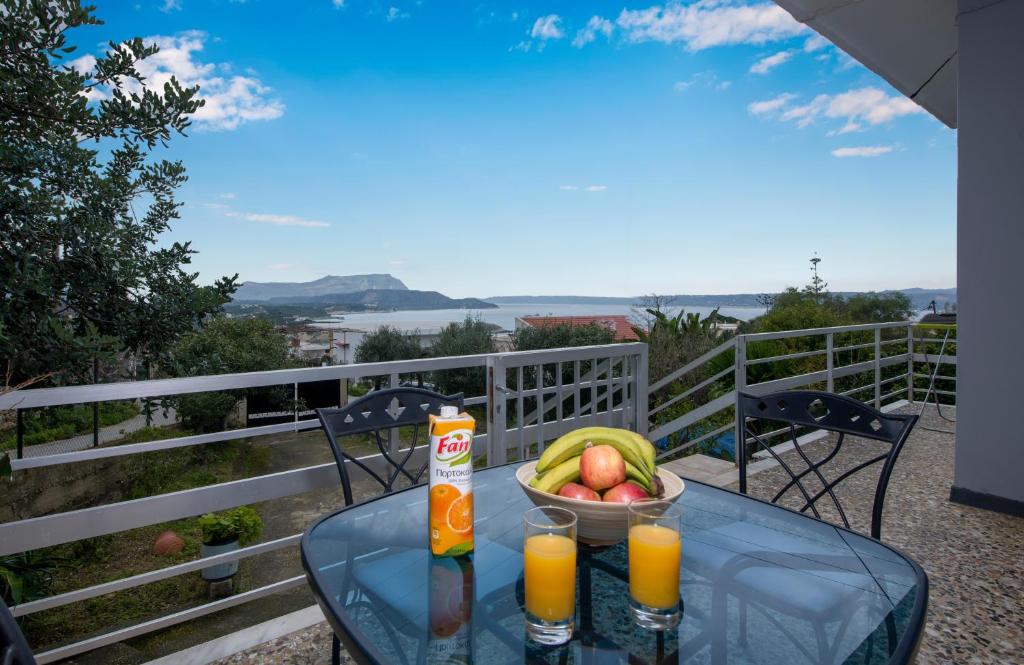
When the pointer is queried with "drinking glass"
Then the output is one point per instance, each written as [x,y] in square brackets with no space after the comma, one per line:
[654,551]
[549,569]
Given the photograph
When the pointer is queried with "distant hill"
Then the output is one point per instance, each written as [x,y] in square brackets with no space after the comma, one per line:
[385,299]
[329,285]
[919,299]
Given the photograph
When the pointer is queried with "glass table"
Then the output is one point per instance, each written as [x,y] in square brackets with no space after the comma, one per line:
[760,584]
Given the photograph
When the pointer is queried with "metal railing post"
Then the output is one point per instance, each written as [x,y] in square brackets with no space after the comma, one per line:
[741,384]
[95,405]
[394,436]
[21,432]
[496,450]
[641,423]
[910,363]
[878,368]
[829,362]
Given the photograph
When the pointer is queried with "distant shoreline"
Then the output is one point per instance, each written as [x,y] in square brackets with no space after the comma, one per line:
[919,298]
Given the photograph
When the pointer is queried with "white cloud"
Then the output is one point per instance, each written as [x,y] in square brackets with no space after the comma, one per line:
[770,105]
[278,220]
[85,66]
[588,188]
[849,127]
[231,100]
[547,27]
[863,105]
[815,43]
[338,4]
[708,23]
[768,63]
[280,266]
[862,151]
[708,79]
[226,195]
[544,29]
[857,109]
[171,6]
[594,27]
[395,14]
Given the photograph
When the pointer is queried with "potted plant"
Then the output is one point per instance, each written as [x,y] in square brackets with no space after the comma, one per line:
[225,532]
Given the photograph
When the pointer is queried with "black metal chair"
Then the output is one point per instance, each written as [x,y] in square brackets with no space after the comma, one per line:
[377,414]
[832,413]
[14,649]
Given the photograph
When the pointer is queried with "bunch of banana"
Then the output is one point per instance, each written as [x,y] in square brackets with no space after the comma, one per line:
[560,462]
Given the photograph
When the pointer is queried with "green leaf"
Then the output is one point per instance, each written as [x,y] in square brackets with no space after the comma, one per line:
[464,458]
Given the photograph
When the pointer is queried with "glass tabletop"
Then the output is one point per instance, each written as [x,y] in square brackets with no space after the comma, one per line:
[759,584]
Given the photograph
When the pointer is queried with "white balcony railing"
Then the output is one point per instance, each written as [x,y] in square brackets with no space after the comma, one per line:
[598,385]
[530,399]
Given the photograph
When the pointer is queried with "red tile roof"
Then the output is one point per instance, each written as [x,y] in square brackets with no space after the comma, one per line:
[617,322]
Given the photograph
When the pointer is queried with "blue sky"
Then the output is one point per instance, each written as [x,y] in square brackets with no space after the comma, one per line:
[547,147]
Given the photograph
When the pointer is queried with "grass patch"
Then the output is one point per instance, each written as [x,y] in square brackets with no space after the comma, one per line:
[107,558]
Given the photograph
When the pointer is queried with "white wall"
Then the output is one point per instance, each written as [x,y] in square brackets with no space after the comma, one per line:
[990,253]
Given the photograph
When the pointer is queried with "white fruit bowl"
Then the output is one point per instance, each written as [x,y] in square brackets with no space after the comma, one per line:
[598,523]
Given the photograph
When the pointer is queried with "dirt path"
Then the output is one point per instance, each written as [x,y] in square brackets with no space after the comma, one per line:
[159,418]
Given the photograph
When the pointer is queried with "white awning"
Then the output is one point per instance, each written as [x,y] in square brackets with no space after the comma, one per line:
[910,43]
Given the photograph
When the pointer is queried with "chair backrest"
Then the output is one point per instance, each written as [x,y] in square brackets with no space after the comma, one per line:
[376,414]
[834,413]
[13,647]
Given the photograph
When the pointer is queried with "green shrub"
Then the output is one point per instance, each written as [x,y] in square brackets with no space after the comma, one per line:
[63,422]
[242,523]
[27,576]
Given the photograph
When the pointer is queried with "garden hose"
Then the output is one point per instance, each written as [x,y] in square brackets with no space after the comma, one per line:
[931,387]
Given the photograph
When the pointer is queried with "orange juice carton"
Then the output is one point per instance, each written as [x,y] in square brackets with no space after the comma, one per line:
[450,611]
[451,482]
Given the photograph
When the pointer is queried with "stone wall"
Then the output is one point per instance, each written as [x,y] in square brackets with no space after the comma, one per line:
[54,489]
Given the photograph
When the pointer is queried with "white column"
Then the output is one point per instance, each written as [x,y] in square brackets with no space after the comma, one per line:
[990,256]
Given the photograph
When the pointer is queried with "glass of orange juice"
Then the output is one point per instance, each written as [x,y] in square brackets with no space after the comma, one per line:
[549,569]
[654,551]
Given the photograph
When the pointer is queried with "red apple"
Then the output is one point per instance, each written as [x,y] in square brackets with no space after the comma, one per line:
[577,491]
[625,493]
[602,467]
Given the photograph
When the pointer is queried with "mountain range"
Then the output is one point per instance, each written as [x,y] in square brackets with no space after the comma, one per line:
[329,285]
[384,299]
[383,291]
